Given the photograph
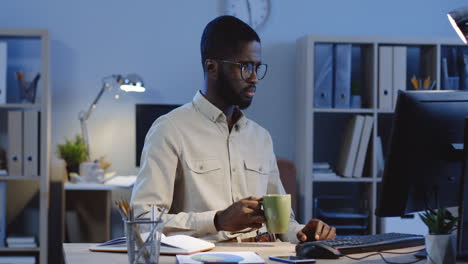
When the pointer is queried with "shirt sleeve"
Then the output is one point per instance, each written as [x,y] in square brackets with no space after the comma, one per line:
[275,186]
[156,180]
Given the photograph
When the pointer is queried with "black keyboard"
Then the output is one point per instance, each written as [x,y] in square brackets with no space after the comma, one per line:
[357,244]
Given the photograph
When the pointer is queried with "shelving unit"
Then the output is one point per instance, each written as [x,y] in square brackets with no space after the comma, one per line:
[29,48]
[319,131]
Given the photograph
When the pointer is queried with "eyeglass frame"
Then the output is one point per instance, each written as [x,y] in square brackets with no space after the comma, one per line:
[242,65]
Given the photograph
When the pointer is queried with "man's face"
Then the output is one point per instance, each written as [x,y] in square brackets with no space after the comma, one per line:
[234,90]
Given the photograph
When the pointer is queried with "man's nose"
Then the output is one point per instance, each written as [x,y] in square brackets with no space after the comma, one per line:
[253,78]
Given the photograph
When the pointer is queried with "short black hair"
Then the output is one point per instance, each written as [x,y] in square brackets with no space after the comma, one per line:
[224,36]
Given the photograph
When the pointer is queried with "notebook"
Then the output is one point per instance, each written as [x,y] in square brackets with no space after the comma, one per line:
[170,245]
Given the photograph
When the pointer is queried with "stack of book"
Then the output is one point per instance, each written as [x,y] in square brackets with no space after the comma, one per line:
[17,260]
[21,242]
[354,146]
[322,170]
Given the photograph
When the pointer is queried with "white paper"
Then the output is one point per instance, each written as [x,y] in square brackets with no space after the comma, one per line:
[219,257]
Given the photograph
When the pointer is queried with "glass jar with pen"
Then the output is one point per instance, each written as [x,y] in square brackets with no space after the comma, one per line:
[142,248]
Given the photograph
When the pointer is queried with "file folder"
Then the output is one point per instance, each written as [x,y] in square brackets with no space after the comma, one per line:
[31,136]
[363,146]
[385,77]
[15,146]
[399,72]
[323,75]
[3,72]
[342,92]
[3,217]
[349,147]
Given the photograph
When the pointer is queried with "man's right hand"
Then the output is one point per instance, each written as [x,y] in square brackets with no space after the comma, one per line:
[245,213]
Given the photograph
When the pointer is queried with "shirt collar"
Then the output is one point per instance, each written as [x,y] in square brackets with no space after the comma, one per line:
[212,112]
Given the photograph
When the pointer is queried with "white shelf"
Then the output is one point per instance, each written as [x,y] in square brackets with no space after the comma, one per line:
[7,250]
[21,106]
[20,178]
[343,179]
[40,37]
[344,110]
[319,130]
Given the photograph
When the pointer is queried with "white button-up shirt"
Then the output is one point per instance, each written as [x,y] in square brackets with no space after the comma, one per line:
[194,166]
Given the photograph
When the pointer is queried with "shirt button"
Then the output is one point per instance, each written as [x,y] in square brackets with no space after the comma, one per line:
[233,169]
[260,169]
[201,167]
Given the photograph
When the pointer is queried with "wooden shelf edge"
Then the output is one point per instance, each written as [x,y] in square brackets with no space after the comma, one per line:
[368,180]
[3,250]
[20,178]
[344,110]
[21,106]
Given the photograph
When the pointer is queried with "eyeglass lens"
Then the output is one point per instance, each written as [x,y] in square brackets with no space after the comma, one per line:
[248,68]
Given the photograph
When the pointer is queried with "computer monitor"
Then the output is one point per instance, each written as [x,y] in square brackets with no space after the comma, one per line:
[424,165]
[146,114]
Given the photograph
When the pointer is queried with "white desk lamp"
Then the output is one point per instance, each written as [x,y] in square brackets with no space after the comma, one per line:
[129,83]
[459,20]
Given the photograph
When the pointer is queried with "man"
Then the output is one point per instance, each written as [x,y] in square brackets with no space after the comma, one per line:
[205,161]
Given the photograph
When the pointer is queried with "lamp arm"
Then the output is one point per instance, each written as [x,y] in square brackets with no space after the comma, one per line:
[84,116]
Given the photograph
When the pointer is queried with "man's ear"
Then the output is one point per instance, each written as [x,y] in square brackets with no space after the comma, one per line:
[211,68]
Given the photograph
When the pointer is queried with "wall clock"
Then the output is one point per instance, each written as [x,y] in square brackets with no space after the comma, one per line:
[253,12]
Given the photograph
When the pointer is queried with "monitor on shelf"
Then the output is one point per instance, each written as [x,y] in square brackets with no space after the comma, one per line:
[424,166]
[146,114]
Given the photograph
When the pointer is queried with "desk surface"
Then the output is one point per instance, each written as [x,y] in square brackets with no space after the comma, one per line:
[93,187]
[79,253]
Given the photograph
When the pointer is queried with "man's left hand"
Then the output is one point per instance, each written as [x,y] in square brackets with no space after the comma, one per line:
[316,230]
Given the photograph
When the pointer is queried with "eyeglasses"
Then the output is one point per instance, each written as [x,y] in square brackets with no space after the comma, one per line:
[247,68]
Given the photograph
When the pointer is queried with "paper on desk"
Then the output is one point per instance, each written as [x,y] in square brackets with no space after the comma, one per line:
[220,257]
[177,244]
[124,181]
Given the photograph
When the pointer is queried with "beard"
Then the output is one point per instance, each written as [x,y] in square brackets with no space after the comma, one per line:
[230,94]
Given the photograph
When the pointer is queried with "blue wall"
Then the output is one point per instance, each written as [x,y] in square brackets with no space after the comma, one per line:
[160,41]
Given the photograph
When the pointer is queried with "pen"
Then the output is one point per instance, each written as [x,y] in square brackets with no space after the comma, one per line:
[427,82]
[414,82]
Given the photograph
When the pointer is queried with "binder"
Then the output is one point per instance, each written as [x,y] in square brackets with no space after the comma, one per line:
[3,219]
[3,72]
[342,91]
[15,146]
[385,77]
[399,72]
[363,146]
[323,75]
[349,147]
[31,141]
[379,156]
[464,71]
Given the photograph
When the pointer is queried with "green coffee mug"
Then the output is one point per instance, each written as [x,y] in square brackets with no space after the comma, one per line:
[277,209]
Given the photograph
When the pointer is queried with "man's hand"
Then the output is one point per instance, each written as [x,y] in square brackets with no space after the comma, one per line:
[242,214]
[316,230]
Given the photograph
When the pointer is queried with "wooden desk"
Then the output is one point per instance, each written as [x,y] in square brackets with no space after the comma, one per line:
[87,213]
[79,253]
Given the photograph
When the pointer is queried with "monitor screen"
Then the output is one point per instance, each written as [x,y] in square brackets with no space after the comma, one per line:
[423,166]
[146,114]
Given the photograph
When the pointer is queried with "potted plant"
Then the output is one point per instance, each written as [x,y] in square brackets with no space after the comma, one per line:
[73,152]
[440,243]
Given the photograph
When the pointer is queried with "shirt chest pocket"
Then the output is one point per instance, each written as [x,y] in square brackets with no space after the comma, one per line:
[204,166]
[257,174]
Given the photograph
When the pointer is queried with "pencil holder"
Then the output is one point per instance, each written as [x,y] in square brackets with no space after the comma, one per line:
[143,248]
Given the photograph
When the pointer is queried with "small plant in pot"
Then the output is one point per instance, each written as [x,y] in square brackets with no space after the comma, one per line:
[440,243]
[73,152]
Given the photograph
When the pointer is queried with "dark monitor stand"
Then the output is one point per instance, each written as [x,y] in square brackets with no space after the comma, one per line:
[145,115]
[426,166]
[462,238]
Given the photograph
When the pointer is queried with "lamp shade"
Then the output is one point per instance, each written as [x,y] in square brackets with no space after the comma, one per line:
[131,83]
[459,20]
